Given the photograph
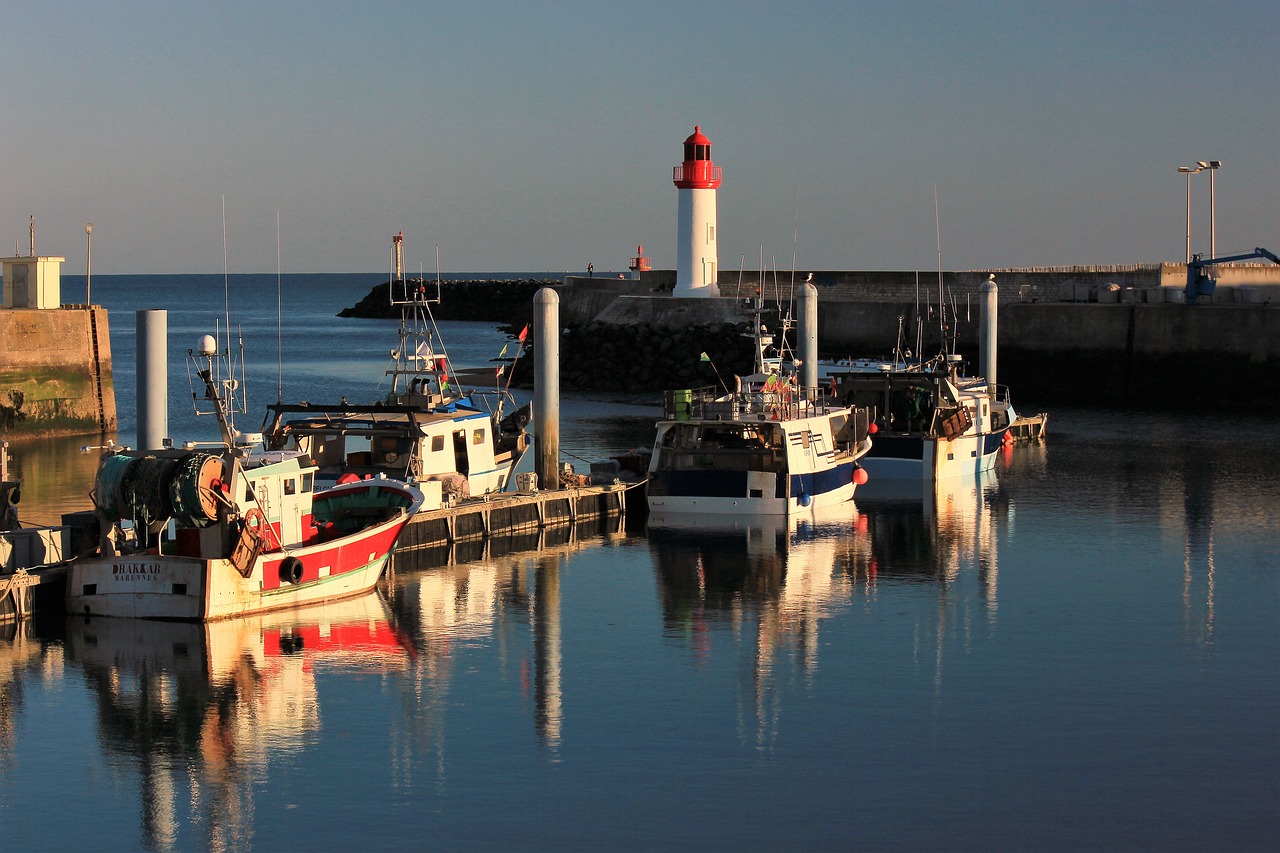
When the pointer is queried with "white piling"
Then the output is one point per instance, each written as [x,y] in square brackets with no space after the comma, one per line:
[808,336]
[987,332]
[546,387]
[153,378]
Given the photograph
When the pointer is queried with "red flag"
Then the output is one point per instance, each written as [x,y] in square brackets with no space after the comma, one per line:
[524,333]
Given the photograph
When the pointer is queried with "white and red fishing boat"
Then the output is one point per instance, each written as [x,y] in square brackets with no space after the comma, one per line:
[213,531]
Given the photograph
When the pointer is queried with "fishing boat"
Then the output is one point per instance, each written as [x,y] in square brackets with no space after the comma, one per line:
[428,429]
[768,447]
[225,529]
[930,420]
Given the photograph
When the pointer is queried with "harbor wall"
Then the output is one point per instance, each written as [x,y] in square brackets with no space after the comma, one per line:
[55,372]
[1251,283]
[1109,353]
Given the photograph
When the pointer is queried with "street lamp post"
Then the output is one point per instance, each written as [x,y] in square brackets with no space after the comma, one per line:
[1212,166]
[1188,171]
[88,263]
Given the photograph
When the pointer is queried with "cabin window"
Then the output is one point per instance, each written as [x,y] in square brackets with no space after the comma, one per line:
[437,443]
[290,486]
[308,481]
[711,233]
[477,437]
[248,494]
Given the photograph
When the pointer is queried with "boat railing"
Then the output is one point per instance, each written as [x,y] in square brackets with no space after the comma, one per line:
[787,403]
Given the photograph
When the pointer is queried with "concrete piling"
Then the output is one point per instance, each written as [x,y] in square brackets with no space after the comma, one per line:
[808,336]
[987,333]
[546,387]
[153,378]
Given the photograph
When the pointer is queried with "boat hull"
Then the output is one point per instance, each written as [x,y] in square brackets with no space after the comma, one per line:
[924,458]
[165,586]
[749,492]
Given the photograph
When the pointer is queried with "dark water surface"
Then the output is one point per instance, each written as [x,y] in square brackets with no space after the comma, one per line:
[1078,652]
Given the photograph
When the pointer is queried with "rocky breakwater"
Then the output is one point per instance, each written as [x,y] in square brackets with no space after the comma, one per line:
[631,358]
[500,301]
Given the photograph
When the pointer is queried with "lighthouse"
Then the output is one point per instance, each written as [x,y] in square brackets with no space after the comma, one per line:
[697,179]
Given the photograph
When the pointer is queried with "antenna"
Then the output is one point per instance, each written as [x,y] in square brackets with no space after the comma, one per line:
[942,299]
[226,285]
[279,323]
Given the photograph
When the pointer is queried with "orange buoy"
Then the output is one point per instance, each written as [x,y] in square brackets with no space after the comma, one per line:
[860,476]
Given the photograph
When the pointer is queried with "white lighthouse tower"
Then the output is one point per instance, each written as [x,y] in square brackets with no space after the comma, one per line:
[697,178]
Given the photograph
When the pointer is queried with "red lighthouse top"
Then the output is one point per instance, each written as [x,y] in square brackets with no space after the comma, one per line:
[697,172]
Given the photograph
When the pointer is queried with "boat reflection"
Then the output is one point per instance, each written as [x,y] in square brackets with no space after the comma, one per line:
[481,591]
[22,655]
[778,579]
[199,709]
[934,531]
[775,577]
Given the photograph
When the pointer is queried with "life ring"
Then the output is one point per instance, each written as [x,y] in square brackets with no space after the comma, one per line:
[257,522]
[290,570]
[391,457]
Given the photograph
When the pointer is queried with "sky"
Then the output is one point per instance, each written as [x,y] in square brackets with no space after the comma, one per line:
[540,136]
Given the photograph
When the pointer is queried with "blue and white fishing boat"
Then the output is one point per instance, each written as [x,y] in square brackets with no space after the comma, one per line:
[767,447]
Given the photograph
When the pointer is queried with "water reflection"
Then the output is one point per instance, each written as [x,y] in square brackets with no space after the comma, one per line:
[199,710]
[22,656]
[56,477]
[771,582]
[933,531]
[768,580]
[481,591]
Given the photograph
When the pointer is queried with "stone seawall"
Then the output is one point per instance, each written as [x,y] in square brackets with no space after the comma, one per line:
[55,372]
[1161,355]
[1133,282]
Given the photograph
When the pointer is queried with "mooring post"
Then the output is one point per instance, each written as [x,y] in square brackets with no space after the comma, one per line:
[546,388]
[153,378]
[808,337]
[987,333]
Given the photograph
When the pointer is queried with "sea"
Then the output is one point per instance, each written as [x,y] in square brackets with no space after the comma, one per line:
[1078,651]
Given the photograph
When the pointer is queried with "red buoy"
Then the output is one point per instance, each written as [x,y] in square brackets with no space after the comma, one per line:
[860,476]
[872,429]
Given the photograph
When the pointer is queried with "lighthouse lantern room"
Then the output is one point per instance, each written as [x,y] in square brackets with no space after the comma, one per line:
[697,179]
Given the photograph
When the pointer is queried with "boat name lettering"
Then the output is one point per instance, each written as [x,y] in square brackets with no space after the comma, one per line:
[135,571]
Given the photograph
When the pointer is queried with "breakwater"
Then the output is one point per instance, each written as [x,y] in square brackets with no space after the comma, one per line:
[508,301]
[55,372]
[632,336]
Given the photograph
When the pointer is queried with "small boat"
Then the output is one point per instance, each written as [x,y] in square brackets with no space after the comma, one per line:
[930,420]
[428,429]
[213,531]
[768,447]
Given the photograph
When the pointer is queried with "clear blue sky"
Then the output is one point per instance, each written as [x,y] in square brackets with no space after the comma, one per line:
[541,135]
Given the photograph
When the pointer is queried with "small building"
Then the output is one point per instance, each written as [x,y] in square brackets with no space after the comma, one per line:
[32,281]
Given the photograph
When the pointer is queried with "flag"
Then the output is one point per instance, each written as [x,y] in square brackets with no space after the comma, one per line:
[444,380]
[499,370]
[524,333]
[504,351]
[770,382]
[704,357]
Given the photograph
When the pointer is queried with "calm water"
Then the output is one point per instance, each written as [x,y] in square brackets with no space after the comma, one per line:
[1079,652]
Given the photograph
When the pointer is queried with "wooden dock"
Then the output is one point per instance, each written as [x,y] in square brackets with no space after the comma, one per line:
[1030,427]
[483,517]
[553,514]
